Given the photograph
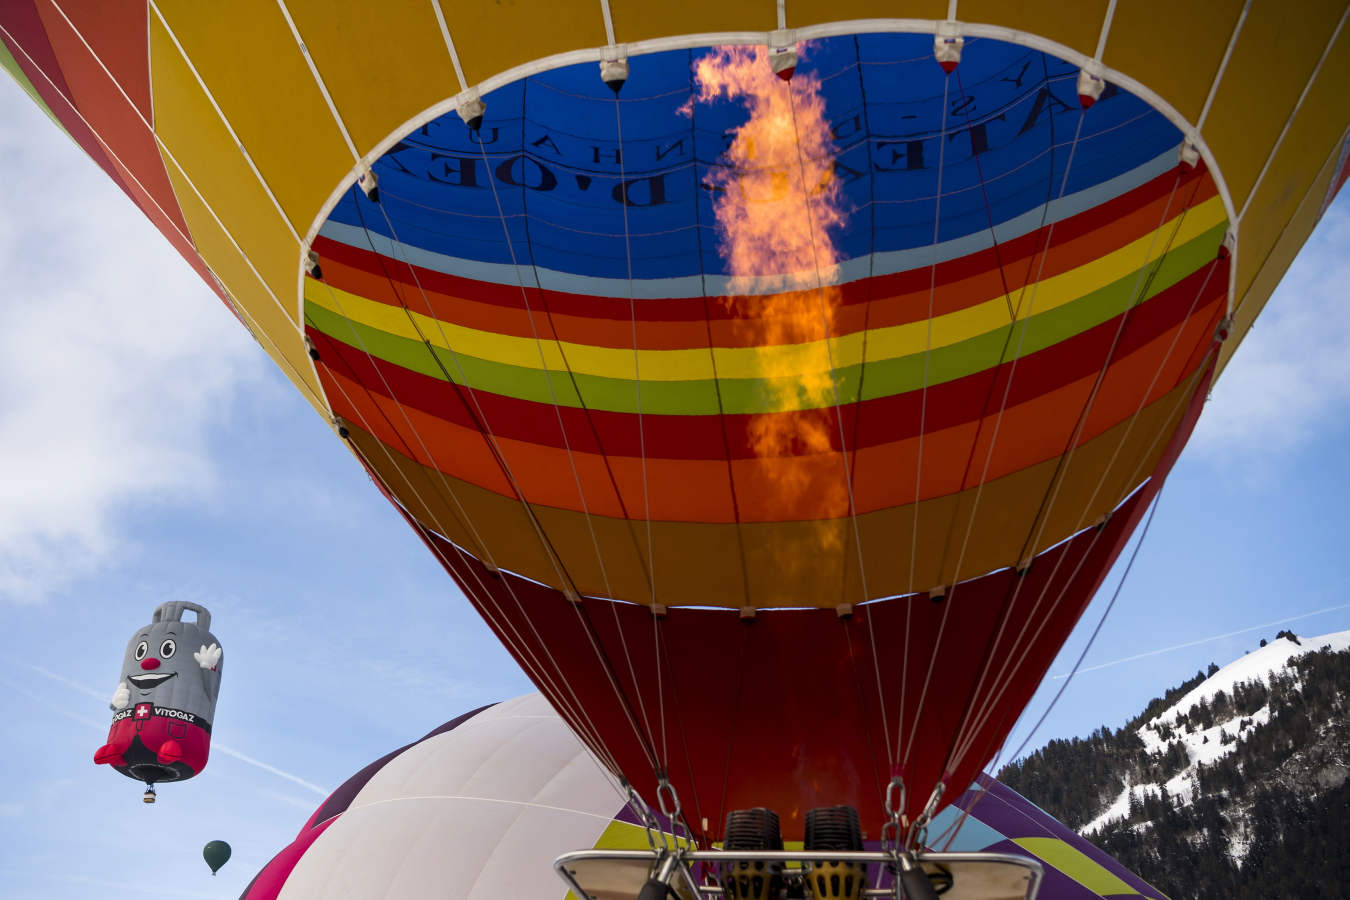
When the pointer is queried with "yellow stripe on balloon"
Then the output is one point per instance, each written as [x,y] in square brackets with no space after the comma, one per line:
[807,358]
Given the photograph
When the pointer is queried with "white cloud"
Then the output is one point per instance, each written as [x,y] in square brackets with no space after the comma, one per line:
[1292,372]
[114,361]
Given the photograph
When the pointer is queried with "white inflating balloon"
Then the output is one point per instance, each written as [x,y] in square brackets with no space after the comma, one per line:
[478,811]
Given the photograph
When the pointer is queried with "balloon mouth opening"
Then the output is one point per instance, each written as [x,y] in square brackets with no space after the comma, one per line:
[151,773]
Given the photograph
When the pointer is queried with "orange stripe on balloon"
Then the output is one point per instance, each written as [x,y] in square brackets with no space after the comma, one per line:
[699,491]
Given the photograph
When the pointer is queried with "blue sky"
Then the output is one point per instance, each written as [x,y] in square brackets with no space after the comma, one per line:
[152,452]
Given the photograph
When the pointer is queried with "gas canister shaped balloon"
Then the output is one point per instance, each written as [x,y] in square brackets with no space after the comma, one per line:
[165,698]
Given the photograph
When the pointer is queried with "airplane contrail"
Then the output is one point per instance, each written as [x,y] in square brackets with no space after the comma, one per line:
[1204,640]
[216,746]
[230,751]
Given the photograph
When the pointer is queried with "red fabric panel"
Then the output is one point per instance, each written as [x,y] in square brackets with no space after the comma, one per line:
[870,423]
[118,32]
[781,710]
[267,884]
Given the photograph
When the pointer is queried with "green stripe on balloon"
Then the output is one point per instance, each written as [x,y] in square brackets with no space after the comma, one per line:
[882,378]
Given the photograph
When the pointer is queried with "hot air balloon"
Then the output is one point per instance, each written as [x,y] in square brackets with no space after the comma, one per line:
[779,381]
[165,699]
[478,807]
[216,854]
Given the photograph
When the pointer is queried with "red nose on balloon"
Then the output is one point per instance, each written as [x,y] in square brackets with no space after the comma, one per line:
[150,663]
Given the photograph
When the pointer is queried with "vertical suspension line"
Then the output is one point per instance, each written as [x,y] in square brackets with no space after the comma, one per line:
[829,352]
[389,391]
[863,706]
[1011,599]
[644,734]
[609,591]
[923,416]
[553,397]
[1143,400]
[1048,498]
[979,717]
[476,410]
[955,828]
[1141,284]
[467,521]
[582,716]
[645,738]
[642,437]
[738,664]
[1015,316]
[1184,399]
[712,354]
[356,156]
[510,635]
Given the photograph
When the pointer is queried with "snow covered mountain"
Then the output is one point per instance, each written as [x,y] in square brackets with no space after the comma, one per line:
[1206,743]
[1240,774]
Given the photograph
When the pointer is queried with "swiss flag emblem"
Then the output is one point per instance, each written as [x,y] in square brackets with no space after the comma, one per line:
[143,710]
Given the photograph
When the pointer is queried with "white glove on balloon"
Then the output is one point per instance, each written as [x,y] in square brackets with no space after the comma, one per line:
[208,657]
[121,697]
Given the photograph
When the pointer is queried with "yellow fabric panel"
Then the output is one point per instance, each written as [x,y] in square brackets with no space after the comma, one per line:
[1179,61]
[1076,864]
[271,102]
[281,339]
[1076,25]
[777,564]
[621,563]
[801,13]
[492,36]
[382,63]
[1277,261]
[1270,65]
[190,129]
[641,20]
[623,836]
[1315,132]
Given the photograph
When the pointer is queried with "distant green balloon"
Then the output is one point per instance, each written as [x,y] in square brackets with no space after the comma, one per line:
[216,854]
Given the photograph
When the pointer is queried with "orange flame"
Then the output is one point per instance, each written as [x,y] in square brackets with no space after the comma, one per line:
[778,199]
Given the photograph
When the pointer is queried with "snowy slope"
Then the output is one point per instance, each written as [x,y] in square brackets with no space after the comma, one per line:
[1204,746]
[1256,665]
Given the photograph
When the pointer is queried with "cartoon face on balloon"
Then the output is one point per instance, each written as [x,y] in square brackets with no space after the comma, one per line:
[173,663]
